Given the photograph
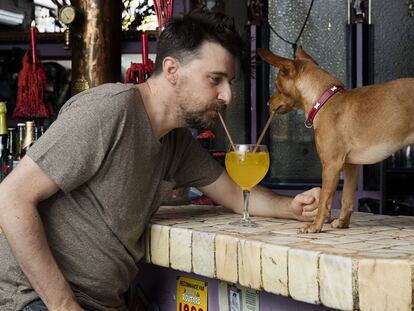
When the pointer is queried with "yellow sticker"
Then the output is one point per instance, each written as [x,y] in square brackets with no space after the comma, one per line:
[191,294]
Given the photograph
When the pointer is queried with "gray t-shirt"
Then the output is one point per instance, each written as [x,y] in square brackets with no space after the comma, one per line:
[113,174]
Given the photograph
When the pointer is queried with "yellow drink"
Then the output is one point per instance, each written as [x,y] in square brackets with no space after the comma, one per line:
[247,169]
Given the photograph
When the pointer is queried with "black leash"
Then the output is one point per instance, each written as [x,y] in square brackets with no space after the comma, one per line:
[293,44]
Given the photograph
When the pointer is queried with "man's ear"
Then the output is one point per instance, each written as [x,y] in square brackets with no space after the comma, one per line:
[170,66]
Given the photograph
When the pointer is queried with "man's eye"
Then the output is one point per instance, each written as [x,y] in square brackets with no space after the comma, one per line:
[215,80]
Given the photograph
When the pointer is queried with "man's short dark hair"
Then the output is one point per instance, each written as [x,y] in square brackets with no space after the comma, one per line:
[183,37]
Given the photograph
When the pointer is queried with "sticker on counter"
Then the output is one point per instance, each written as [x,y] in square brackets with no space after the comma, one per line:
[251,301]
[235,298]
[191,294]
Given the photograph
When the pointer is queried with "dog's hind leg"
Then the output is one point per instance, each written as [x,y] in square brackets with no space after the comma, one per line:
[330,177]
[348,196]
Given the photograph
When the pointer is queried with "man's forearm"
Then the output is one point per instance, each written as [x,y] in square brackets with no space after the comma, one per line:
[24,231]
[264,202]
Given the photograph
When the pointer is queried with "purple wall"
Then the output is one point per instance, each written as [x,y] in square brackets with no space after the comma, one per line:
[159,287]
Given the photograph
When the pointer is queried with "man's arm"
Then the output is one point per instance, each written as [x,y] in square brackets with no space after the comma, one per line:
[263,202]
[20,193]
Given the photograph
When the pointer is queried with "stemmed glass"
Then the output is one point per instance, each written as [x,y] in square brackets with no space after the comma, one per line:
[247,164]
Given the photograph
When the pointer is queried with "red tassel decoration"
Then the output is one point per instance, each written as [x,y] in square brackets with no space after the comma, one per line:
[164,11]
[139,73]
[31,85]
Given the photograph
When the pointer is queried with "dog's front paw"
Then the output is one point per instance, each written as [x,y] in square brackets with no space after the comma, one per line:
[310,228]
[339,224]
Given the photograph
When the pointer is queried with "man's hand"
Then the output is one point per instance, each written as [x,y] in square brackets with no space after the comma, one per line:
[305,205]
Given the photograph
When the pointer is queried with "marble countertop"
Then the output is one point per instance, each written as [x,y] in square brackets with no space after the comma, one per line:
[366,267]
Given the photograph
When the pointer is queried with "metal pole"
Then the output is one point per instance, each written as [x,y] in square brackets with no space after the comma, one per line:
[96,49]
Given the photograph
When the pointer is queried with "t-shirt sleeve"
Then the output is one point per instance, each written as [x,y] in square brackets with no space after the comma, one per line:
[196,167]
[74,146]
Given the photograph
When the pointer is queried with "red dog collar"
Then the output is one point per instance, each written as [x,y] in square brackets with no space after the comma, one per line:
[320,102]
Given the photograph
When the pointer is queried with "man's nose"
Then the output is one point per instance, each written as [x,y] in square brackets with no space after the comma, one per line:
[225,94]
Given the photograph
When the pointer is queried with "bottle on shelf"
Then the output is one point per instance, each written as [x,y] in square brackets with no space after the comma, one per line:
[28,137]
[402,159]
[408,155]
[38,131]
[19,143]
[11,151]
[4,133]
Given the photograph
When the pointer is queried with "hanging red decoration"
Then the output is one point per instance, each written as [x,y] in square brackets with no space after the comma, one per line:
[139,72]
[164,10]
[31,85]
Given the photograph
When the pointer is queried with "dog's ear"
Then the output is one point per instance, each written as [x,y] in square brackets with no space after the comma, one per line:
[284,64]
[301,54]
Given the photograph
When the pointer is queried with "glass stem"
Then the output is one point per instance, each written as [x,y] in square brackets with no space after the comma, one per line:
[246,196]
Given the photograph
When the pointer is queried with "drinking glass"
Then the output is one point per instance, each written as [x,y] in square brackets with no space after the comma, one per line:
[247,166]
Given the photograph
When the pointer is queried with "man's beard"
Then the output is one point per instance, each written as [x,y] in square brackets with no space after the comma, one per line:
[201,120]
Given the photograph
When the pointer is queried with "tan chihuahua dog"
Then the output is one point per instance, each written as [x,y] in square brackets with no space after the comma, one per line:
[352,127]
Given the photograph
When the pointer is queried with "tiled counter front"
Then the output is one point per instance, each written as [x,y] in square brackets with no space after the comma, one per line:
[366,267]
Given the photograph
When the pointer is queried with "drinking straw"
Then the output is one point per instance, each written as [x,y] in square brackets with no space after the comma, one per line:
[264,131]
[226,130]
